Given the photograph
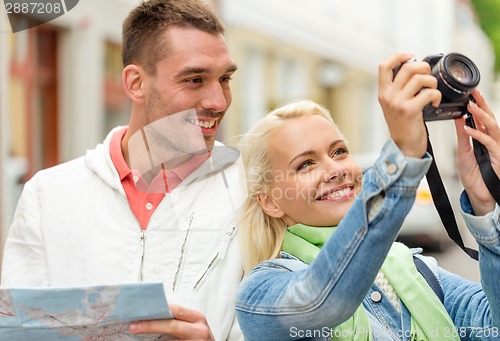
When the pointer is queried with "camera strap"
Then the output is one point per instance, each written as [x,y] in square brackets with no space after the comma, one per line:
[440,197]
[483,160]
[442,203]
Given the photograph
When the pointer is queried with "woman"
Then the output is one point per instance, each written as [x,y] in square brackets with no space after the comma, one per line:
[304,186]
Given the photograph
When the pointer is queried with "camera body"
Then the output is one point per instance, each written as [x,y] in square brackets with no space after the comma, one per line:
[457,77]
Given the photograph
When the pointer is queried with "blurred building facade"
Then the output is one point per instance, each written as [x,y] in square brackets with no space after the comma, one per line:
[329,51]
[60,90]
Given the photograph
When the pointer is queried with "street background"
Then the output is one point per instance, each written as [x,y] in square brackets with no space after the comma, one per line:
[60,90]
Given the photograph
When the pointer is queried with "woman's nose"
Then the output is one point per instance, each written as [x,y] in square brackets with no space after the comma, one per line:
[335,172]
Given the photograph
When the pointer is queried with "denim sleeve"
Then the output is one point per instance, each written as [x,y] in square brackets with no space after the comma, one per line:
[273,301]
[470,305]
[485,229]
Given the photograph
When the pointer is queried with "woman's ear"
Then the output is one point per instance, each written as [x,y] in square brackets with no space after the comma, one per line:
[269,206]
[132,81]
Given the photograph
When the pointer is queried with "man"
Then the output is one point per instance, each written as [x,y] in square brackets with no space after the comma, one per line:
[100,219]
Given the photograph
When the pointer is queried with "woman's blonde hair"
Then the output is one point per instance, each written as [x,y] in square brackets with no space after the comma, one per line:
[261,235]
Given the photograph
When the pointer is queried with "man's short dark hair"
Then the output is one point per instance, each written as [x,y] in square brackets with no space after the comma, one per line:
[145,26]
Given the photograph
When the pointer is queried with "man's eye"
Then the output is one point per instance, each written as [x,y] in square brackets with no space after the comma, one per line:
[194,80]
[225,79]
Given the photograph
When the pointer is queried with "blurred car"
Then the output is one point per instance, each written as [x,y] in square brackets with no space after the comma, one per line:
[422,226]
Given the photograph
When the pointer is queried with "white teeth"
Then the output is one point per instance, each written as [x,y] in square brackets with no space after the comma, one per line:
[202,124]
[337,194]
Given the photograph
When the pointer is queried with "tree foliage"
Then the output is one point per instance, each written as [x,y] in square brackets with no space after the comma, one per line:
[488,12]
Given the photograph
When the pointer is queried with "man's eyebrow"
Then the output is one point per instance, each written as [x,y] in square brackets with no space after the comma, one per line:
[311,152]
[190,71]
[199,70]
[232,68]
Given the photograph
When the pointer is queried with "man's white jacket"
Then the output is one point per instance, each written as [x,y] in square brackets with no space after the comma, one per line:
[73,226]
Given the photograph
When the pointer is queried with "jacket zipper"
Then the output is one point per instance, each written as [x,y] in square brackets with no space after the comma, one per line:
[183,250]
[219,255]
[142,244]
[143,240]
[211,265]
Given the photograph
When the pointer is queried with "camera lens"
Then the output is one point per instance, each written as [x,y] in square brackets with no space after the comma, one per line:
[460,72]
[457,76]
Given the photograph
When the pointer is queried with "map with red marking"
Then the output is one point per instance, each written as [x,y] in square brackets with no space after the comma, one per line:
[80,313]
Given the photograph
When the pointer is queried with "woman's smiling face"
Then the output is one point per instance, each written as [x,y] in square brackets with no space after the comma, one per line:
[315,179]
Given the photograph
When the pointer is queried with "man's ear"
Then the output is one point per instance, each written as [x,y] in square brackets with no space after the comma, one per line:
[133,83]
[269,206]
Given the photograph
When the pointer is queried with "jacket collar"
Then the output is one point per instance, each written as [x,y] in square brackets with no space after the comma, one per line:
[99,161]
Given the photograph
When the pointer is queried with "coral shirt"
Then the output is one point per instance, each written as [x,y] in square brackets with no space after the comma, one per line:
[143,198]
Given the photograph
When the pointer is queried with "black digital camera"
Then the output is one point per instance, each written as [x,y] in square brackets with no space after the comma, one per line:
[457,77]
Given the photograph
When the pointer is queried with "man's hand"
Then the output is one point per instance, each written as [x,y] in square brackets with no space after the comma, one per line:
[186,325]
[488,133]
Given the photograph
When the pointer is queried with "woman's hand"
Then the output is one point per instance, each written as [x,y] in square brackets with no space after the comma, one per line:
[403,97]
[488,133]
[186,325]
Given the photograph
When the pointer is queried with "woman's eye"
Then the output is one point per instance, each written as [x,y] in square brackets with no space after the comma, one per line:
[305,165]
[340,151]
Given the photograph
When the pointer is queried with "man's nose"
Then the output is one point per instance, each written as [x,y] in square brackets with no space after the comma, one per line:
[215,99]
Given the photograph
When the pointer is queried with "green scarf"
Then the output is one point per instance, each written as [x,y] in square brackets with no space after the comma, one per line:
[429,318]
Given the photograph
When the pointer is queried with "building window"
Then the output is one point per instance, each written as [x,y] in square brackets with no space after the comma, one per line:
[117,105]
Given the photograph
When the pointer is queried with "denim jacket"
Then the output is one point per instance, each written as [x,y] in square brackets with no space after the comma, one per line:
[284,299]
